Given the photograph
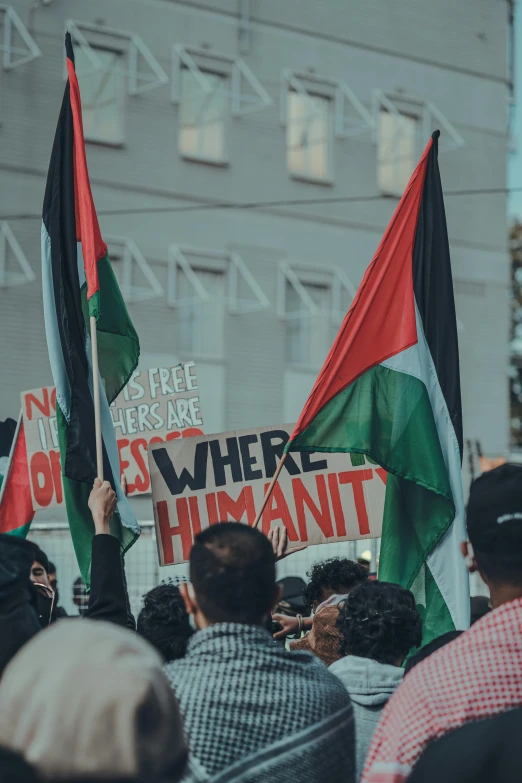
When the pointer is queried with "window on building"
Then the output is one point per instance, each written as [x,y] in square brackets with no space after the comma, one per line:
[396,152]
[202,117]
[308,335]
[103,94]
[308,136]
[201,324]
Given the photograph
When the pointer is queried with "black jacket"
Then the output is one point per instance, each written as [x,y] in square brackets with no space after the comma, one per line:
[108,599]
[484,751]
[23,611]
[18,618]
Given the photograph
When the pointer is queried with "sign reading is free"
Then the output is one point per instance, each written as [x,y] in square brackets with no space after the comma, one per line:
[157,405]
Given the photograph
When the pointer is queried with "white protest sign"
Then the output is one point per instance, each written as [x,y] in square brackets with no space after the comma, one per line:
[157,405]
[319,498]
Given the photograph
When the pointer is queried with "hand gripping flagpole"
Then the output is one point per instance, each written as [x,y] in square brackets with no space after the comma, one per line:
[269,490]
[97,408]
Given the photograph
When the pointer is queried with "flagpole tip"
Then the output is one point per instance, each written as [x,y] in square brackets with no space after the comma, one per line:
[435,135]
[69,51]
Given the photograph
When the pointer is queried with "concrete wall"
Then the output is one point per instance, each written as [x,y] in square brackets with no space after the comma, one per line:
[453,54]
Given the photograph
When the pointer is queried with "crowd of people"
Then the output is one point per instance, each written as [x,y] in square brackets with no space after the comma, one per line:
[236,677]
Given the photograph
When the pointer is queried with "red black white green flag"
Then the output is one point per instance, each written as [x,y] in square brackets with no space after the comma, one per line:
[78,282]
[390,389]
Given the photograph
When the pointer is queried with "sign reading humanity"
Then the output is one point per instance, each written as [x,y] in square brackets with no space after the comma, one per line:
[319,498]
[157,405]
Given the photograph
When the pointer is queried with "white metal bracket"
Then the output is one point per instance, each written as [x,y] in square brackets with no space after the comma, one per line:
[430,118]
[139,79]
[179,258]
[24,273]
[14,55]
[347,123]
[132,258]
[247,94]
[296,273]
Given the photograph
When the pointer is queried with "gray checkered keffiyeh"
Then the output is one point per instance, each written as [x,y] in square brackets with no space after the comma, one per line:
[241,693]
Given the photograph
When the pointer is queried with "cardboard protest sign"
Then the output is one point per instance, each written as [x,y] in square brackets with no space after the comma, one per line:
[157,405]
[319,498]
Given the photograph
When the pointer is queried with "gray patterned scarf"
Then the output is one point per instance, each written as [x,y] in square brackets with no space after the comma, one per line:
[253,710]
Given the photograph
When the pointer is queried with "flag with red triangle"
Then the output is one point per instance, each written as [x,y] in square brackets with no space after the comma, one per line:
[390,389]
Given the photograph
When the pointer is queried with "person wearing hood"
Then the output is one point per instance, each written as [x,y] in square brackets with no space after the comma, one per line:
[379,625]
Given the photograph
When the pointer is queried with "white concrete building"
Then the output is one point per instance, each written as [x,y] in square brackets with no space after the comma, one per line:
[295,111]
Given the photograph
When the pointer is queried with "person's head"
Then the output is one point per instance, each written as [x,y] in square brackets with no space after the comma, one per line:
[80,595]
[494,522]
[232,575]
[430,648]
[479,606]
[164,621]
[379,620]
[53,580]
[364,563]
[102,708]
[40,569]
[336,576]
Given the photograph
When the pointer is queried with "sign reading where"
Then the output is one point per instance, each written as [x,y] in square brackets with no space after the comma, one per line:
[319,498]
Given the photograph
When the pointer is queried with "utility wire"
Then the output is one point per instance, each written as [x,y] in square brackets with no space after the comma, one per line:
[203,206]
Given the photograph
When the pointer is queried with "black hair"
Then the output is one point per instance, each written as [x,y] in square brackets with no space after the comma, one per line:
[51,569]
[164,621]
[379,620]
[431,647]
[41,557]
[499,568]
[479,605]
[14,769]
[336,574]
[232,569]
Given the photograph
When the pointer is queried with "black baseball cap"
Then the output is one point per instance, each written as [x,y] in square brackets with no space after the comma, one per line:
[494,516]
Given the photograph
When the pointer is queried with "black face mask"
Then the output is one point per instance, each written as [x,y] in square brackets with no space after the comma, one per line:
[43,600]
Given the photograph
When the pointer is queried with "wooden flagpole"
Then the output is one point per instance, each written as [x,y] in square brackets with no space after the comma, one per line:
[269,490]
[96,389]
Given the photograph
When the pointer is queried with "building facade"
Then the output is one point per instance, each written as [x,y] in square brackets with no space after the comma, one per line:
[245,159]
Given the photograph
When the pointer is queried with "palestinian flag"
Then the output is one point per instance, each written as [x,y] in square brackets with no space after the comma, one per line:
[390,389]
[16,503]
[78,282]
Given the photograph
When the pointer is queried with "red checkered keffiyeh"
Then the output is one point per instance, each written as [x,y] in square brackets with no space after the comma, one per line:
[476,676]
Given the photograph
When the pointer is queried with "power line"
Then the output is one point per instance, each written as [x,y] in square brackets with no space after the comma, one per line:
[203,206]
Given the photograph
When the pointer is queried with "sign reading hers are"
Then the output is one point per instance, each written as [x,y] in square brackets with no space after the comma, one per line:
[319,498]
[157,405]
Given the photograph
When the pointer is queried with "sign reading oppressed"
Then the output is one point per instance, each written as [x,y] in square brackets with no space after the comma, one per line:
[319,498]
[157,405]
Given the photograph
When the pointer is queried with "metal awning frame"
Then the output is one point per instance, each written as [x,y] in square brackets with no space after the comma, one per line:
[230,263]
[241,104]
[294,272]
[343,95]
[8,240]
[14,56]
[138,81]
[131,255]
[428,113]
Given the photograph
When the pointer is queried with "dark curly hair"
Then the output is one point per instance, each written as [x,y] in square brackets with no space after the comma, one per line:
[164,621]
[336,575]
[379,620]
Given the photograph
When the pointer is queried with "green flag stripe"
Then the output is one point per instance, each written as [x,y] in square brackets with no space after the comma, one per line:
[381,414]
[118,344]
